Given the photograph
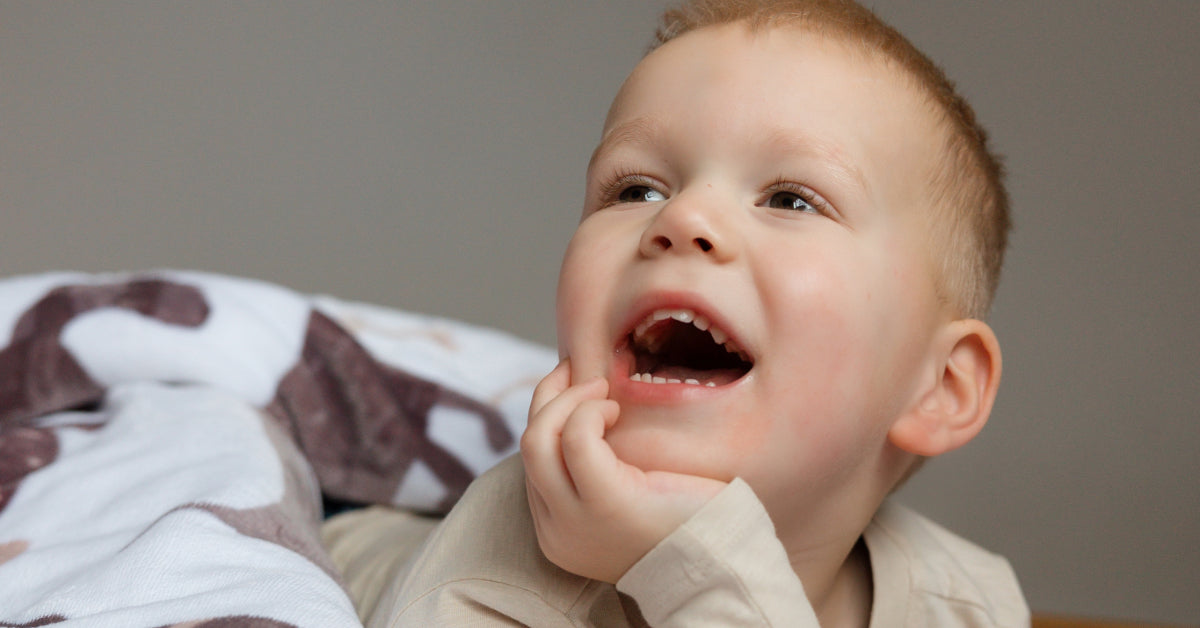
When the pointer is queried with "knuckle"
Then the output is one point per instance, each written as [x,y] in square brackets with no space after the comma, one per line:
[550,548]
[574,436]
[531,448]
[545,392]
[542,389]
[528,442]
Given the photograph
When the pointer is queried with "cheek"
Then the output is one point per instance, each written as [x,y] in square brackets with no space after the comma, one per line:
[819,315]
[585,288]
[834,323]
[579,271]
[571,303]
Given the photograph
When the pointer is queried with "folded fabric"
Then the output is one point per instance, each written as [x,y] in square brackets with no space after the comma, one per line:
[165,439]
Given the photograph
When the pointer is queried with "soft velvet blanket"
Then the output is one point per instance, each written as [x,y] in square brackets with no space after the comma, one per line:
[166,438]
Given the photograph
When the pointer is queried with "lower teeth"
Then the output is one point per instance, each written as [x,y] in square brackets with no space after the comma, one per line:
[650,379]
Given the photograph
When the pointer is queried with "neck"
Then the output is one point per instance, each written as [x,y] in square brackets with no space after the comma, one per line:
[827,551]
[848,601]
[838,582]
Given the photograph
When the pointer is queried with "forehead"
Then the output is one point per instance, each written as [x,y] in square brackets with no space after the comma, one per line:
[782,87]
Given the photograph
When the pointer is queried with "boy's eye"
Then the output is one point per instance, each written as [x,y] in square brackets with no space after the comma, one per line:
[794,197]
[640,194]
[790,200]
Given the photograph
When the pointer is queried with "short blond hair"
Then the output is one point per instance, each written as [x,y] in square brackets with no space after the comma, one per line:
[970,222]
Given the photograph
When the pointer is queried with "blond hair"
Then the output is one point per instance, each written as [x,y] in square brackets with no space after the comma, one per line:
[970,223]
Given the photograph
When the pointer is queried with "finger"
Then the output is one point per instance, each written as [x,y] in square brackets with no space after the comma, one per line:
[552,413]
[593,466]
[541,444]
[541,448]
[551,386]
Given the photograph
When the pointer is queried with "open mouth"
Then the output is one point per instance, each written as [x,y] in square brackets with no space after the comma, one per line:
[679,346]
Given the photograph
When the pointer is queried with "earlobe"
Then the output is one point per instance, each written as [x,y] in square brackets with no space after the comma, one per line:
[954,407]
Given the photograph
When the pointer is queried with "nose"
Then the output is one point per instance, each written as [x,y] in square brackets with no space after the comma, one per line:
[688,226]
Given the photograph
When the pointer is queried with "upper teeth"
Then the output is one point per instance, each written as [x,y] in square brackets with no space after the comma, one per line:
[698,320]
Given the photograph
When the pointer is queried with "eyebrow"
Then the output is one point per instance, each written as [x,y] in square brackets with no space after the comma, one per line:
[639,131]
[788,142]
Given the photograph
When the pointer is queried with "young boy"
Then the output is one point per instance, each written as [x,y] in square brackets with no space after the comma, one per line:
[768,316]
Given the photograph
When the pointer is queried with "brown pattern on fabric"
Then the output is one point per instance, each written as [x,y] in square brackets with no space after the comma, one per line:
[38,375]
[362,424]
[241,621]
[11,550]
[23,450]
[293,522]
[45,620]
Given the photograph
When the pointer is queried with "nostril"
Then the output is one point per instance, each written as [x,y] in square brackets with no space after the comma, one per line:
[704,244]
[662,242]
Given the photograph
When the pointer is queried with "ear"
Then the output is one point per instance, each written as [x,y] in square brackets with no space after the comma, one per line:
[955,405]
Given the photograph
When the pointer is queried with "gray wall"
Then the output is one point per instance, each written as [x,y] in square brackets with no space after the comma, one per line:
[430,156]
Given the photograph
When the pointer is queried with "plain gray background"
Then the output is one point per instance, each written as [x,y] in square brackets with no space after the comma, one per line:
[430,156]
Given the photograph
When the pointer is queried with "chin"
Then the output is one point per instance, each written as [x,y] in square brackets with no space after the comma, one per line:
[653,448]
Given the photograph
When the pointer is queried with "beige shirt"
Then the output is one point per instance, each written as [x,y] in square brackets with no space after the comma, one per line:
[482,567]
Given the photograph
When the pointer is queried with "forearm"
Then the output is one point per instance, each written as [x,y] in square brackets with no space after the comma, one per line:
[476,603]
[723,567]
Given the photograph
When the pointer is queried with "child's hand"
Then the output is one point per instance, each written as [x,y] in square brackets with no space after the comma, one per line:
[595,515]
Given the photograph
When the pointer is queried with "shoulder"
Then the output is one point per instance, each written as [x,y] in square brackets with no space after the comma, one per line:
[924,572]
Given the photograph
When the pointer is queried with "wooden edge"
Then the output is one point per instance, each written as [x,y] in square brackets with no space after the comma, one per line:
[1044,620]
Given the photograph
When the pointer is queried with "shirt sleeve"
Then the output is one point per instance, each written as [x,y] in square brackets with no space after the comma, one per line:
[476,604]
[481,566]
[723,567]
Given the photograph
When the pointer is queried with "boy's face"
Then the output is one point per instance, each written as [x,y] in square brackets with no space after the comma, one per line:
[773,187]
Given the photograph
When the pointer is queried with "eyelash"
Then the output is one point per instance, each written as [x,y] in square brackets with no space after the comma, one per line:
[624,179]
[807,194]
